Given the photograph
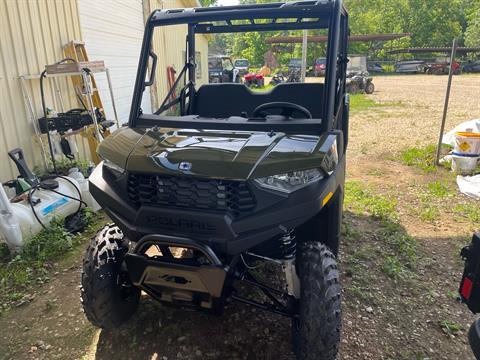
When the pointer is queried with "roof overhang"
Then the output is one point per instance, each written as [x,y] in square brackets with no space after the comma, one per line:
[445,50]
[324,38]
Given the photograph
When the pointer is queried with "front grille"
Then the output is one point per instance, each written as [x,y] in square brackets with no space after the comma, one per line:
[233,197]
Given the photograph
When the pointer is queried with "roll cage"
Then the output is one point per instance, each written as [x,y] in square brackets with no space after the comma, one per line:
[299,15]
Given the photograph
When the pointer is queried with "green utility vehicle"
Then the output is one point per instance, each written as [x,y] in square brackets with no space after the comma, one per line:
[221,178]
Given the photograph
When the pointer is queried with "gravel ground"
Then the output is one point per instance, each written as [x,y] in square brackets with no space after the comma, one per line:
[413,111]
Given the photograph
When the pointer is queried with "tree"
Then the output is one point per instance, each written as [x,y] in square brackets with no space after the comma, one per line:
[472,31]
[206,3]
[431,23]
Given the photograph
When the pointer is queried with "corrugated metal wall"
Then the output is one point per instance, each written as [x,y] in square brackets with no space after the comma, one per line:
[32,33]
[169,45]
[116,39]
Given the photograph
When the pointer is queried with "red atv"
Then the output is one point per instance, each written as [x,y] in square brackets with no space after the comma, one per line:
[254,80]
[319,67]
[443,68]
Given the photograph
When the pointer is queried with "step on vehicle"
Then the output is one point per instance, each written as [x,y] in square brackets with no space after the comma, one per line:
[233,178]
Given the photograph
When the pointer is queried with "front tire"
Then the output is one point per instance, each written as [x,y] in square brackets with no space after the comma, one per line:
[107,297]
[369,88]
[316,331]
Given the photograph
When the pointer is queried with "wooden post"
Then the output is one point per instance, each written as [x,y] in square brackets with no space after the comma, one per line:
[447,99]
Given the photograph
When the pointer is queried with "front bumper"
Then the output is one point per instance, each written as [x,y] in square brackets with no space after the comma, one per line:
[274,213]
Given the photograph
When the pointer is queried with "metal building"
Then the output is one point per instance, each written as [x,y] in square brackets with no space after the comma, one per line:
[32,34]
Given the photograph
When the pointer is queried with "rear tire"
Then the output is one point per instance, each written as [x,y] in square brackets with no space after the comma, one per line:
[107,298]
[316,331]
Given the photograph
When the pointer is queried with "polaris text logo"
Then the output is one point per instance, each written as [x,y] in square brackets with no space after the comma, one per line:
[187,224]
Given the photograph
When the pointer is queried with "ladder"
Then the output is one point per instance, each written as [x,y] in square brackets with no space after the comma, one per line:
[75,50]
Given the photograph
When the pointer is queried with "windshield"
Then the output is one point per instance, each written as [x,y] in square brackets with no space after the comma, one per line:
[241,63]
[179,61]
[215,63]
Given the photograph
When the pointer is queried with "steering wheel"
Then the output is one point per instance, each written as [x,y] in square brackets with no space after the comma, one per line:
[287,109]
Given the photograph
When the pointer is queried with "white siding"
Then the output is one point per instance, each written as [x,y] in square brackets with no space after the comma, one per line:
[113,31]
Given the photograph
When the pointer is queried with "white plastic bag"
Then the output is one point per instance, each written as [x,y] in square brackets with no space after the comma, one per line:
[469,185]
[467,126]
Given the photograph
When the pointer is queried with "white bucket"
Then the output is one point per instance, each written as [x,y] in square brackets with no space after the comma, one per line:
[464,165]
[467,143]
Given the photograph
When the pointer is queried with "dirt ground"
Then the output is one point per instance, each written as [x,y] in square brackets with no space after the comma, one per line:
[414,315]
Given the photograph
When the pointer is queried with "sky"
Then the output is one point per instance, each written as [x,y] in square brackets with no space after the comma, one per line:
[227,2]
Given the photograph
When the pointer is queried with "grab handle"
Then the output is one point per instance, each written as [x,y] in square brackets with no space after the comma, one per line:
[17,156]
[154,68]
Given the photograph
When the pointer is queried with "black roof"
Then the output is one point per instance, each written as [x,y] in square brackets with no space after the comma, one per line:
[312,14]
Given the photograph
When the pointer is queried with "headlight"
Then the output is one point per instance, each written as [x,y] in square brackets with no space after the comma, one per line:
[290,182]
[113,168]
[330,158]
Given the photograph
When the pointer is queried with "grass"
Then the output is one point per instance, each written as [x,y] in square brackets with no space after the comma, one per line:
[33,267]
[393,267]
[364,200]
[429,213]
[439,189]
[420,157]
[262,89]
[431,200]
[398,249]
[362,293]
[359,102]
[470,211]
[449,327]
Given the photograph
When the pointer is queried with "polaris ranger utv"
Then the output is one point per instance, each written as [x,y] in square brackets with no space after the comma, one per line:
[233,178]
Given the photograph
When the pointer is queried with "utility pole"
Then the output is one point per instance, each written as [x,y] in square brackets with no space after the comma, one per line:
[304,55]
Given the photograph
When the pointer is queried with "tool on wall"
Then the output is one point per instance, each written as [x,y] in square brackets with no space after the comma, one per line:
[89,121]
[76,50]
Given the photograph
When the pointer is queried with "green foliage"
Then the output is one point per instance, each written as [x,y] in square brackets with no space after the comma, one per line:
[431,23]
[421,157]
[472,31]
[262,89]
[362,199]
[470,211]
[449,327]
[400,250]
[439,189]
[393,267]
[206,3]
[34,265]
[360,102]
[63,166]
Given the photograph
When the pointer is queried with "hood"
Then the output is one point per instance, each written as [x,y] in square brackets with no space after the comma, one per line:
[212,154]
